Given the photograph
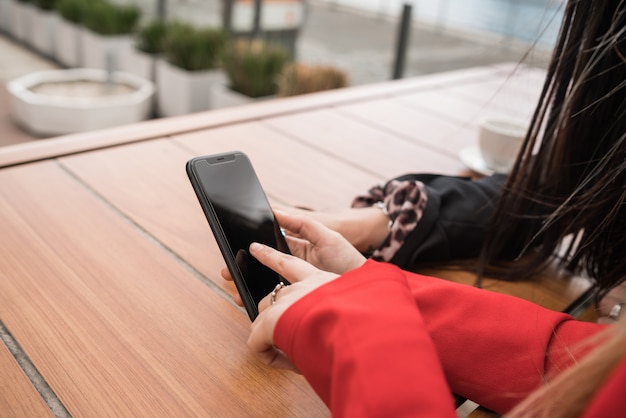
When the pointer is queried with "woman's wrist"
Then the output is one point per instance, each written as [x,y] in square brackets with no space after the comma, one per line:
[366,228]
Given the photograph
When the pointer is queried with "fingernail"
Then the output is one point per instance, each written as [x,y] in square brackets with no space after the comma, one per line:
[255,246]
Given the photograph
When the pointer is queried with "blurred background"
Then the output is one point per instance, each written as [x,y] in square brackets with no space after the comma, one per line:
[527,20]
[447,34]
[324,44]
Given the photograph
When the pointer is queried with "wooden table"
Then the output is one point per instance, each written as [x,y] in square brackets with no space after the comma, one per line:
[111,303]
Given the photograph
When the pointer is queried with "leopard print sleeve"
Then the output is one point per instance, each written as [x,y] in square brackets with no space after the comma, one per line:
[404,202]
[433,217]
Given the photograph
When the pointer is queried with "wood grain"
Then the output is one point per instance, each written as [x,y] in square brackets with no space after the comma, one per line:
[464,111]
[506,94]
[18,397]
[365,146]
[115,325]
[147,183]
[424,128]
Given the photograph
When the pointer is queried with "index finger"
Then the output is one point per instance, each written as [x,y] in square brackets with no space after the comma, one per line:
[288,266]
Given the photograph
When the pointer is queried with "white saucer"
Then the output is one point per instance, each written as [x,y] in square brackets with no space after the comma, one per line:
[470,156]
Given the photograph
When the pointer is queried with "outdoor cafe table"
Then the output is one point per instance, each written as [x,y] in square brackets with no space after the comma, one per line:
[111,302]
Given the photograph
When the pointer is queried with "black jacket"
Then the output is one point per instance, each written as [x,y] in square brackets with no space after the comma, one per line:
[454,221]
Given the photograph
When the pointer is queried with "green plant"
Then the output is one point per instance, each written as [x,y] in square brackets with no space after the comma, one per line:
[71,10]
[253,67]
[298,78]
[107,18]
[45,4]
[193,49]
[149,38]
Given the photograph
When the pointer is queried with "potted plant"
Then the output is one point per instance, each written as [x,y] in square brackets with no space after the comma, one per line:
[108,30]
[44,24]
[69,31]
[188,68]
[148,46]
[299,78]
[252,68]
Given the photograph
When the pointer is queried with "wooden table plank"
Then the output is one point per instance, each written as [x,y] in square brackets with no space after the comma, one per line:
[147,182]
[18,397]
[463,110]
[367,147]
[422,127]
[496,93]
[290,172]
[82,289]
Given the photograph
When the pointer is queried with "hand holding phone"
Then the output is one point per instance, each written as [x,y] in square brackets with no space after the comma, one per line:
[238,213]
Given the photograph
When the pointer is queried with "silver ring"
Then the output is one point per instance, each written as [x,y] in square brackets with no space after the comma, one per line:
[616,311]
[275,292]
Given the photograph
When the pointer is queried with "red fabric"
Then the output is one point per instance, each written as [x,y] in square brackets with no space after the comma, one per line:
[380,341]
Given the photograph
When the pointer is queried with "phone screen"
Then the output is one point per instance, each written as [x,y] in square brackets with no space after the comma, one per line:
[239,214]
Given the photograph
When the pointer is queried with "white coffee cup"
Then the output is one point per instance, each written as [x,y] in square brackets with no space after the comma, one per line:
[499,142]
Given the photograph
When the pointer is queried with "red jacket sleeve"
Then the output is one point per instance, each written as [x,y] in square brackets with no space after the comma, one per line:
[362,345]
[495,349]
[379,341]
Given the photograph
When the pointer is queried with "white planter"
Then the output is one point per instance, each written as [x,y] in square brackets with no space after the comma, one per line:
[5,15]
[48,115]
[223,96]
[69,37]
[28,13]
[97,50]
[43,31]
[180,92]
[20,20]
[138,62]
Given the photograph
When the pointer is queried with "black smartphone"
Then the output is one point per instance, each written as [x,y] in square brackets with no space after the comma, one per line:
[239,213]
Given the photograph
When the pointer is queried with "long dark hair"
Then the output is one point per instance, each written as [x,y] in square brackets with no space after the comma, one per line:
[570,176]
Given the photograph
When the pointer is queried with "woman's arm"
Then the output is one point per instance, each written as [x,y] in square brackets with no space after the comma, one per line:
[436,217]
[361,343]
[454,220]
[381,341]
[496,349]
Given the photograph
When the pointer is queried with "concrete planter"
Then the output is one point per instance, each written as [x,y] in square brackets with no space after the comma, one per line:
[139,63]
[69,37]
[180,92]
[49,115]
[97,50]
[20,17]
[5,15]
[222,96]
[28,17]
[44,33]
